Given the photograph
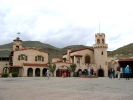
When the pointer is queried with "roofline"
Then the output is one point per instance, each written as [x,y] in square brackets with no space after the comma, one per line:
[31,49]
[80,50]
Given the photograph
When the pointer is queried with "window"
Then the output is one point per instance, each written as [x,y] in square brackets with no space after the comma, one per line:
[39,58]
[98,41]
[22,57]
[102,40]
[78,60]
[17,47]
[4,59]
[102,53]
[87,59]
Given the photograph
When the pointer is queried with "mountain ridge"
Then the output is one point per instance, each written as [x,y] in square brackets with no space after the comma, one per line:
[125,51]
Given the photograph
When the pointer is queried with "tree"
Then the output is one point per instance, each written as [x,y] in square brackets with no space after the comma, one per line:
[73,67]
[52,68]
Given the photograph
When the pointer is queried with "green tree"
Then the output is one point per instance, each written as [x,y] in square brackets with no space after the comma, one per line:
[73,67]
[52,68]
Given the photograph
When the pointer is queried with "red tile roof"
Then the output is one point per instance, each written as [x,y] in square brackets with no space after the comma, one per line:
[33,64]
[77,55]
[15,66]
[61,62]
[126,59]
[80,50]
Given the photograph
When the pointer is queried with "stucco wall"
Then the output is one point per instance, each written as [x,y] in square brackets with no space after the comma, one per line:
[31,57]
[3,64]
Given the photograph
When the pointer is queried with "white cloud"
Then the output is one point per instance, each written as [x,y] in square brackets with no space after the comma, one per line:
[67,22]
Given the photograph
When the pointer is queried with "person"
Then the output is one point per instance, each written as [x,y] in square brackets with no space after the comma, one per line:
[111,73]
[118,72]
[127,71]
[47,73]
[65,73]
[89,72]
[92,70]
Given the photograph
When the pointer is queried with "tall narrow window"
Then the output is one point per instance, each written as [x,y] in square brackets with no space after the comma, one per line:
[87,59]
[102,53]
[98,41]
[39,58]
[102,40]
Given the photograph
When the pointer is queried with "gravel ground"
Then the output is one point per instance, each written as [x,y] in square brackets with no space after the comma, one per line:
[58,88]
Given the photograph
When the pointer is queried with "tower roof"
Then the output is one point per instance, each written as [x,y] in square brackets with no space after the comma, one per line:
[17,39]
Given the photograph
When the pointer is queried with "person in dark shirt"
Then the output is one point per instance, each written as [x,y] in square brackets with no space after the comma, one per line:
[118,72]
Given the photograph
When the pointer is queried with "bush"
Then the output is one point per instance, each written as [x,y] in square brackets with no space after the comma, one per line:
[14,74]
[4,75]
[75,75]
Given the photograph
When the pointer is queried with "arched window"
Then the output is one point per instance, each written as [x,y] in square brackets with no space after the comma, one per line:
[102,40]
[17,47]
[87,59]
[98,40]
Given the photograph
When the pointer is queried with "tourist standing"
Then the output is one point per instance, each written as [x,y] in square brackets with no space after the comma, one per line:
[47,73]
[118,72]
[127,72]
[89,72]
[92,71]
[111,73]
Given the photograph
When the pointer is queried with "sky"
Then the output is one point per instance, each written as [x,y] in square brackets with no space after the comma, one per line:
[62,23]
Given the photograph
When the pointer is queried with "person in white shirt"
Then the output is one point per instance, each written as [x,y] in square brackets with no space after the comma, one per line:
[47,73]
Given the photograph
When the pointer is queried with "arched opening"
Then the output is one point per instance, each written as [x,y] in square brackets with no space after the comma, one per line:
[87,59]
[60,71]
[37,72]
[98,41]
[100,73]
[79,72]
[17,47]
[84,72]
[30,72]
[6,70]
[44,72]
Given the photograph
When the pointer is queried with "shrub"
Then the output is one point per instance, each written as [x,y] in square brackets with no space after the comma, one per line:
[14,74]
[75,75]
[4,75]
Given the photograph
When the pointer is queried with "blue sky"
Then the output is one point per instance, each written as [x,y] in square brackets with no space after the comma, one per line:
[67,22]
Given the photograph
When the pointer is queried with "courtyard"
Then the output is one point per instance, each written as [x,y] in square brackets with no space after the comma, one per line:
[70,88]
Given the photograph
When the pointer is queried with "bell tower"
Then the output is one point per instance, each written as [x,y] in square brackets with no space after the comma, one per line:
[17,44]
[100,54]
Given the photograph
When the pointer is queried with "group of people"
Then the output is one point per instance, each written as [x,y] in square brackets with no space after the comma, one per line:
[85,72]
[127,72]
[112,71]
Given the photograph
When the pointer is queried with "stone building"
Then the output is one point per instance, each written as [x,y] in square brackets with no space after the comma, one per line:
[27,61]
[33,62]
[95,57]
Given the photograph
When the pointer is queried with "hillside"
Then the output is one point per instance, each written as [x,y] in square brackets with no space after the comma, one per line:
[122,52]
[54,52]
[125,51]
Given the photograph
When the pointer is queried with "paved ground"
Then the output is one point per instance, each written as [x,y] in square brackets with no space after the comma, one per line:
[39,88]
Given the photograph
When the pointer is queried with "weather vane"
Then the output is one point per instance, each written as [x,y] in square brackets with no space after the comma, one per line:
[18,34]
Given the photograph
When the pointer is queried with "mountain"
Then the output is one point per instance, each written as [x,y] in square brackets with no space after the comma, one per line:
[54,51]
[122,52]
